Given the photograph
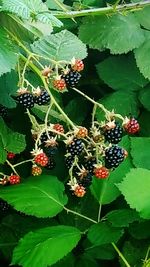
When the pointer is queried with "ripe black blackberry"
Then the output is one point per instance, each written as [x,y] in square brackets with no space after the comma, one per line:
[3,111]
[4,206]
[42,99]
[113,156]
[51,164]
[86,181]
[71,78]
[89,164]
[26,100]
[114,135]
[69,161]
[44,136]
[50,150]
[75,147]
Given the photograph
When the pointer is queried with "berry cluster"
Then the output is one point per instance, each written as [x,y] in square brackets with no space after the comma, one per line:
[27,99]
[65,77]
[46,148]
[96,152]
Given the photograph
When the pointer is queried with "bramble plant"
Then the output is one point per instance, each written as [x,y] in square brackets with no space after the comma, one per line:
[74,133]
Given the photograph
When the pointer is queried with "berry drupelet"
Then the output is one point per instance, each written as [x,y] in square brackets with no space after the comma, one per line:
[132,126]
[71,78]
[89,164]
[51,164]
[69,161]
[41,96]
[114,156]
[114,135]
[25,98]
[75,147]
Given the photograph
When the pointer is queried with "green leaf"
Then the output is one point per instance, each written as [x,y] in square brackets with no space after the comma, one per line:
[105,252]
[46,246]
[52,5]
[8,53]
[121,73]
[140,148]
[14,226]
[104,233]
[34,9]
[144,123]
[118,33]
[3,153]
[140,230]
[24,8]
[144,96]
[15,142]
[11,141]
[77,109]
[143,17]
[122,103]
[60,46]
[41,197]
[143,58]
[85,261]
[122,217]
[136,190]
[106,191]
[134,252]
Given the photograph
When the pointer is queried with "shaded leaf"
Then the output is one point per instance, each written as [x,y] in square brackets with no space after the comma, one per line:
[122,103]
[38,249]
[122,217]
[103,233]
[121,73]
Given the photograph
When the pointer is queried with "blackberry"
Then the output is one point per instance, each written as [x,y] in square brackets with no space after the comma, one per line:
[69,161]
[26,99]
[44,136]
[3,111]
[43,98]
[71,78]
[75,147]
[113,156]
[89,164]
[51,164]
[114,135]
[50,150]
[86,181]
[4,206]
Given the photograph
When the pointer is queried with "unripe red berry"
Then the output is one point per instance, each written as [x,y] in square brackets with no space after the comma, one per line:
[101,172]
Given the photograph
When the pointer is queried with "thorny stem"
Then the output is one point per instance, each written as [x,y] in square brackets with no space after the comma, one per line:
[37,71]
[80,215]
[121,255]
[109,10]
[22,162]
[107,112]
[99,212]
[12,167]
[146,257]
